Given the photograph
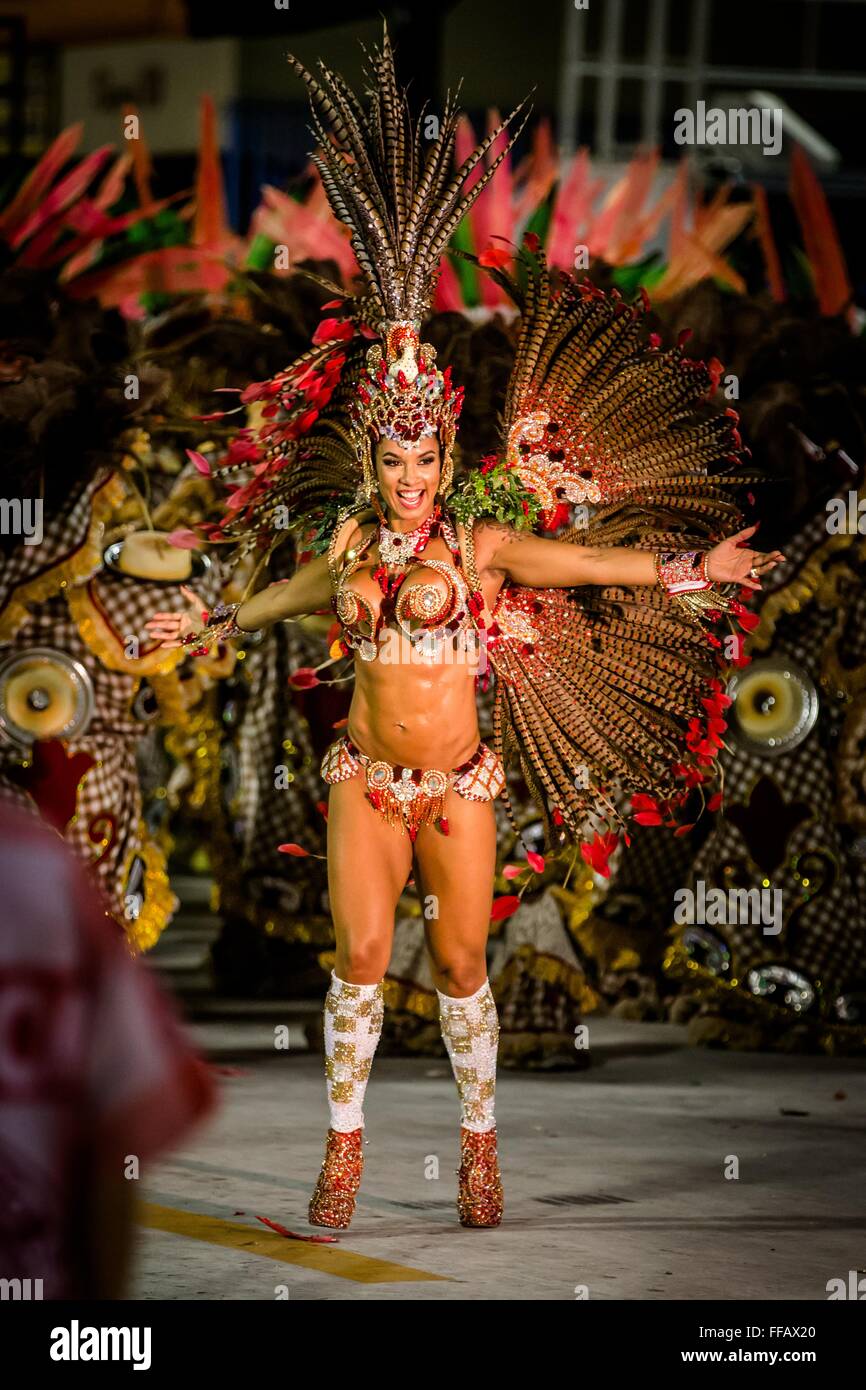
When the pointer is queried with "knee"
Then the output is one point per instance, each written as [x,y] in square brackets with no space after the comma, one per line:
[362,962]
[460,975]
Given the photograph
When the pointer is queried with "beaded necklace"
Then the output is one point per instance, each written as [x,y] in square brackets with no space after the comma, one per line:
[396,546]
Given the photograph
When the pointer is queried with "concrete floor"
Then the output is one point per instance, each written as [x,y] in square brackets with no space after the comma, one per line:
[614,1178]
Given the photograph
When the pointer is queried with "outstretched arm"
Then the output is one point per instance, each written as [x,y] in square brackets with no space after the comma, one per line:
[533,560]
[308,591]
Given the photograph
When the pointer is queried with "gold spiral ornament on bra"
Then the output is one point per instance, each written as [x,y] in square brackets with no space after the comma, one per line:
[44,694]
[775,706]
[353,608]
[424,603]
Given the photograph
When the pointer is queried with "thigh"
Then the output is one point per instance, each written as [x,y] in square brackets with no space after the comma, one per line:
[454,874]
[368,865]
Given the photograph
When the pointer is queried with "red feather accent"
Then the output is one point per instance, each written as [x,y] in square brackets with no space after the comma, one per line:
[295,1235]
[829,271]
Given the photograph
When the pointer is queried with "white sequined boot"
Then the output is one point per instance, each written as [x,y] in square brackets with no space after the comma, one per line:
[353,1026]
[470,1030]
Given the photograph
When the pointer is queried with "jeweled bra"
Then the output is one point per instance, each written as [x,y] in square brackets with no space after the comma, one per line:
[440,616]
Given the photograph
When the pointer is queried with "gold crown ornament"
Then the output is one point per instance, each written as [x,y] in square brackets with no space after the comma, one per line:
[402,396]
[402,200]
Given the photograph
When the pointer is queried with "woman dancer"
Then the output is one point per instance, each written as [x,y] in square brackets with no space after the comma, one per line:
[600,664]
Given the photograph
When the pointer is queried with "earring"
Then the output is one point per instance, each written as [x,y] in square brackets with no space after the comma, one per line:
[446,476]
[370,491]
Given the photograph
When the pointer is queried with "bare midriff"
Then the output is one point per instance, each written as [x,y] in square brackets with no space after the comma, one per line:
[417,714]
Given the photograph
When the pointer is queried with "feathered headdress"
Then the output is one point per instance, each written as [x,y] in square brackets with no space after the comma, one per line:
[401,203]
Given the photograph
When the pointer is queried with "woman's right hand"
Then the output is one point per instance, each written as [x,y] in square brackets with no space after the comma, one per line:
[168,628]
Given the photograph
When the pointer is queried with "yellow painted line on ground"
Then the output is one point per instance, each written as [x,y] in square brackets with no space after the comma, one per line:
[330,1259]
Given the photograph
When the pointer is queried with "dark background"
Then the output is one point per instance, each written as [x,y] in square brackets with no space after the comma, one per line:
[806,52]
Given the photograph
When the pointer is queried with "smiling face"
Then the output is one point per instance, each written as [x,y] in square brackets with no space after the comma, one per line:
[408,479]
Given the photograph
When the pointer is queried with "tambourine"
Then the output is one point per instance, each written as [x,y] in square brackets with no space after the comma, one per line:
[775,705]
[146,555]
[44,694]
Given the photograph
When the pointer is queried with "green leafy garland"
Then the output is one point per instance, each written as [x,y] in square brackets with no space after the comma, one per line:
[495,490]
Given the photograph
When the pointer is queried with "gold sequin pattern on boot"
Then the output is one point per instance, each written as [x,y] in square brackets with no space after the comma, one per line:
[333,1200]
[480,1199]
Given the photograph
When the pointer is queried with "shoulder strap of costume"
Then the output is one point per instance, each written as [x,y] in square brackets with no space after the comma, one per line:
[481,614]
[340,541]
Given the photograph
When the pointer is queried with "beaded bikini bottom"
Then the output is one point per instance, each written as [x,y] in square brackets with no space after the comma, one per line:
[409,797]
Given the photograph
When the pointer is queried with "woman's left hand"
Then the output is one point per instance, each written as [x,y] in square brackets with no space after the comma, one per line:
[732,562]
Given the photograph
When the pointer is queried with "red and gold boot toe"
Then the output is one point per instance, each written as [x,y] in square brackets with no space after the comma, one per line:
[479,1191]
[333,1200]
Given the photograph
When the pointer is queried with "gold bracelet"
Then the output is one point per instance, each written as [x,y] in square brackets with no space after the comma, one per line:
[683,576]
[220,626]
[682,571]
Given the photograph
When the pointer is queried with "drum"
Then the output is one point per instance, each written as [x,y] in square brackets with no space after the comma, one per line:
[775,705]
[44,694]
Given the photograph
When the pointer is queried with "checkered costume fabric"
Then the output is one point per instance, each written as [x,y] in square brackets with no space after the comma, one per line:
[823,937]
[266,812]
[108,802]
[106,830]
[61,537]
